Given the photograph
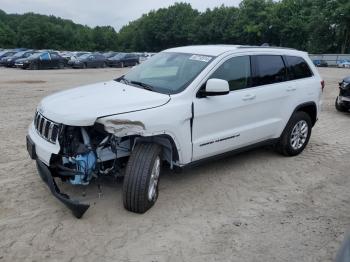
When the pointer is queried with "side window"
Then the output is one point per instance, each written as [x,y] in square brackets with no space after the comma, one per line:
[268,69]
[297,68]
[54,57]
[45,56]
[236,71]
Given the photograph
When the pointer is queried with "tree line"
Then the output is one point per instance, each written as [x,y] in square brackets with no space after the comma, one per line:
[317,26]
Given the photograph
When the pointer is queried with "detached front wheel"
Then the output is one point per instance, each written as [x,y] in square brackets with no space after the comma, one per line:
[140,189]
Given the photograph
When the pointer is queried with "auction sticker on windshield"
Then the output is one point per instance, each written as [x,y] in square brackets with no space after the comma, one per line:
[201,58]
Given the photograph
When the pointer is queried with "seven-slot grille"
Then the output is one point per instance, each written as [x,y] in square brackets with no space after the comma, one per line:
[46,128]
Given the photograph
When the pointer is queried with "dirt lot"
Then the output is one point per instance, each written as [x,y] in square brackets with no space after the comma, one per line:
[256,206]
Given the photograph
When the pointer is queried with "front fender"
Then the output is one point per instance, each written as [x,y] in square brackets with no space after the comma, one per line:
[156,122]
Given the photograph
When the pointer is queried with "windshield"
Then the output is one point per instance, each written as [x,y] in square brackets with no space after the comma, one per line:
[36,55]
[19,54]
[120,55]
[108,55]
[84,56]
[28,54]
[168,73]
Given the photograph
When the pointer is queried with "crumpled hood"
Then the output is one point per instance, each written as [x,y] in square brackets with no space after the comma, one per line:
[81,106]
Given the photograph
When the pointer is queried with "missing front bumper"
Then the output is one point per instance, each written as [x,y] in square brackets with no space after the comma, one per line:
[78,209]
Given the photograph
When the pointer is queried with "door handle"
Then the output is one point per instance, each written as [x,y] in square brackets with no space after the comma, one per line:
[248,97]
[291,89]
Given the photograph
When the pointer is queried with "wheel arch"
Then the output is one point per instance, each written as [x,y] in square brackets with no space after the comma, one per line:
[309,108]
[170,150]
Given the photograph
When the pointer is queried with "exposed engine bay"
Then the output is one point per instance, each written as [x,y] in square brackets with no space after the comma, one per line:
[89,152]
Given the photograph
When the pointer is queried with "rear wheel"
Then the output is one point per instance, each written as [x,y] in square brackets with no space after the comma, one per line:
[140,188]
[296,135]
[339,106]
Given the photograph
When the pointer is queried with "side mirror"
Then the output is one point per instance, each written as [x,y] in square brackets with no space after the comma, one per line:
[215,87]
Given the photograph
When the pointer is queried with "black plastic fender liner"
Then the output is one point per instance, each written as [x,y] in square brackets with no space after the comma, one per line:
[78,209]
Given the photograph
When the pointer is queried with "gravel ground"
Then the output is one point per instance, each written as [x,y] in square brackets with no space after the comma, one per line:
[256,206]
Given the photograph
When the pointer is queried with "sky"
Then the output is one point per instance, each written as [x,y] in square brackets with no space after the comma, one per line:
[115,13]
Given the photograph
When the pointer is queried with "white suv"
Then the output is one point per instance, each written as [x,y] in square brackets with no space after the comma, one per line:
[181,106]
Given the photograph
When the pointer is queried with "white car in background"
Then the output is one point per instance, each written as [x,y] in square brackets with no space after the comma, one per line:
[344,63]
[182,106]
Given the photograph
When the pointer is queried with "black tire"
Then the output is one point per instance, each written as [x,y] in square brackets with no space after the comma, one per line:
[339,106]
[138,176]
[284,145]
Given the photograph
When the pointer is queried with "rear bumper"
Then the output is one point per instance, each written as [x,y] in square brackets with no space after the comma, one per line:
[77,208]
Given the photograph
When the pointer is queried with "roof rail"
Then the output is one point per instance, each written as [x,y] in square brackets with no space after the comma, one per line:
[264,47]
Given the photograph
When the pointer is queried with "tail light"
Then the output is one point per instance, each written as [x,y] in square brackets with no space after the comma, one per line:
[322,85]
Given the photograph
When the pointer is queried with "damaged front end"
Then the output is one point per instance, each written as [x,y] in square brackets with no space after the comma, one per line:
[86,153]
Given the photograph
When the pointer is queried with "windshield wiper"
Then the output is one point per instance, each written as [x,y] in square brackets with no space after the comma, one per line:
[144,85]
[122,78]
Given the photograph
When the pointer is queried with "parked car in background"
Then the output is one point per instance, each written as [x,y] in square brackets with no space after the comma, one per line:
[123,60]
[6,53]
[89,61]
[11,60]
[344,63]
[75,57]
[342,102]
[41,60]
[66,55]
[320,63]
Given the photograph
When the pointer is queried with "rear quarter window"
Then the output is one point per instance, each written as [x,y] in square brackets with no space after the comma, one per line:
[297,68]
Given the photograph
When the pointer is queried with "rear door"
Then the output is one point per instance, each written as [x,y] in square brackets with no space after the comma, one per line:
[55,59]
[45,60]
[302,85]
[274,93]
[91,61]
[128,58]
